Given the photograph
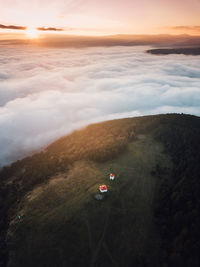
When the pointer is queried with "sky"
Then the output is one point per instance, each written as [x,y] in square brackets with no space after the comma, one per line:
[48,93]
[100,17]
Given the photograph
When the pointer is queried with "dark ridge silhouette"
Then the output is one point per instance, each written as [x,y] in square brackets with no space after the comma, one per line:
[167,51]
[66,40]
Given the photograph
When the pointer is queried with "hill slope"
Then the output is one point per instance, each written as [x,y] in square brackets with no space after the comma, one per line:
[149,216]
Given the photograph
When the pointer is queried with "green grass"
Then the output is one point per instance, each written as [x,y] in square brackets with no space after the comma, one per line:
[64,225]
[64,214]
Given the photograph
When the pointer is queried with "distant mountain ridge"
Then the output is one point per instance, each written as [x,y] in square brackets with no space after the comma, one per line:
[167,51]
[73,41]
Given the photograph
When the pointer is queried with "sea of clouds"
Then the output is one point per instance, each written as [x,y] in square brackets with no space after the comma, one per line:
[47,93]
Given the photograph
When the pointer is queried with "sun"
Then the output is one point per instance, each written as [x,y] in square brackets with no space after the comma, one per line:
[32,33]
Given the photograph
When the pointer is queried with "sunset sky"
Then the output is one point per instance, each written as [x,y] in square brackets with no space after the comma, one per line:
[95,17]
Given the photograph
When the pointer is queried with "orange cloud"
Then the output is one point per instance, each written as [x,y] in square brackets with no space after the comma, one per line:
[49,29]
[187,28]
[12,27]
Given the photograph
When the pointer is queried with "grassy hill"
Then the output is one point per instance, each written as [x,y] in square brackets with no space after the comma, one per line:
[148,217]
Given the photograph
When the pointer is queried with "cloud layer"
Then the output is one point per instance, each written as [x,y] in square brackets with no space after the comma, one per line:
[47,93]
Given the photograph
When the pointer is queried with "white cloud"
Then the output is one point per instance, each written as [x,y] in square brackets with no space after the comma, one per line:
[47,93]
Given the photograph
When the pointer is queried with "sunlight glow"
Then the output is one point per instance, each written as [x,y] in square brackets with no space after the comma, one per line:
[32,33]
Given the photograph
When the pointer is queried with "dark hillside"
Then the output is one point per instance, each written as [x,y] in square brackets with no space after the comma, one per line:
[149,217]
[178,212]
